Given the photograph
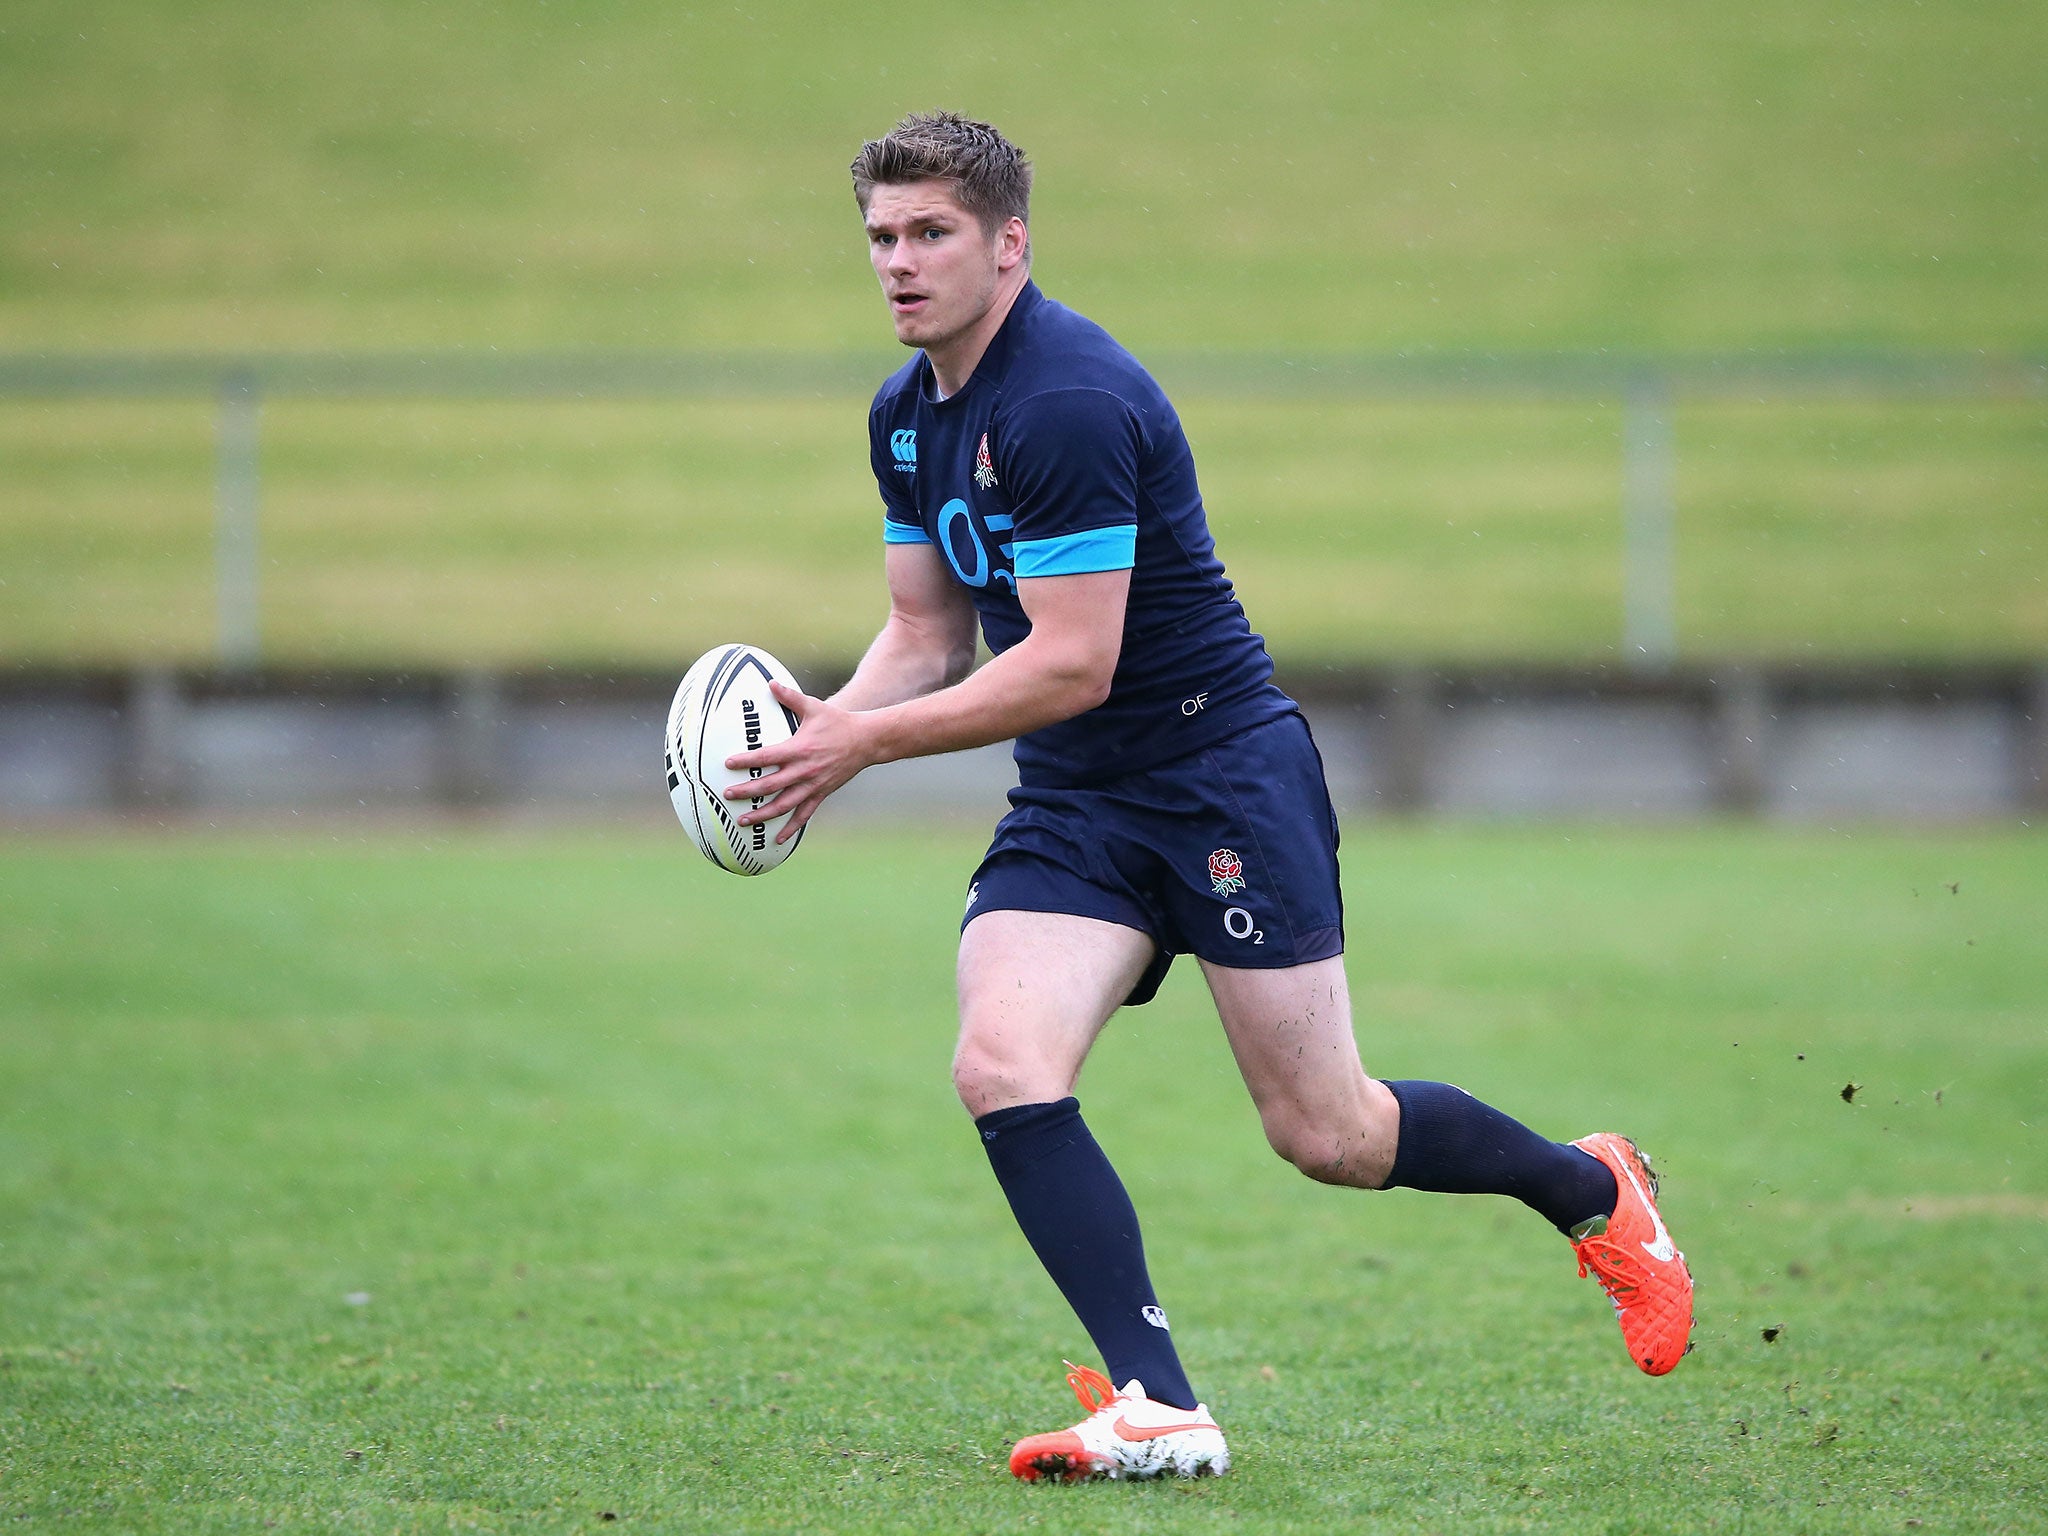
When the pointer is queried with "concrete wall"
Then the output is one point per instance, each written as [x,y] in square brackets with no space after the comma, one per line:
[1787,744]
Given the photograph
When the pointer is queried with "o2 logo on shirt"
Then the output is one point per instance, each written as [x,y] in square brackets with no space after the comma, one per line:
[956,528]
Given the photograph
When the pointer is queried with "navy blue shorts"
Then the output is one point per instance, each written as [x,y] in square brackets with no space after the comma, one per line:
[1229,854]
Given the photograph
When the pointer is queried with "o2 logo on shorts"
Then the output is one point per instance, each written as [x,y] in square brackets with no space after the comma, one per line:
[1226,874]
[1239,924]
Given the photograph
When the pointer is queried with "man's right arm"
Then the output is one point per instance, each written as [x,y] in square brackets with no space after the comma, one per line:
[928,641]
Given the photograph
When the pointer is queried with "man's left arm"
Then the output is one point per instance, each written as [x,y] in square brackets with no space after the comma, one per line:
[1062,668]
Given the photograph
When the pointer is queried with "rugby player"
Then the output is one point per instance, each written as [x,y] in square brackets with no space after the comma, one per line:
[1170,800]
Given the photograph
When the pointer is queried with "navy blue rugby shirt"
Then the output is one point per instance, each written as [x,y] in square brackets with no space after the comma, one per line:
[1062,456]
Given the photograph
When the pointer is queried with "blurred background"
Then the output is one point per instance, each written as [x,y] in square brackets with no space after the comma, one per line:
[1600,406]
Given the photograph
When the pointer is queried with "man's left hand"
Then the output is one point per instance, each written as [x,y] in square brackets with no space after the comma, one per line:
[830,746]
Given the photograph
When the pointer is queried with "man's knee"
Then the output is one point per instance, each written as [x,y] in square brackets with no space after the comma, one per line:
[1325,1157]
[1356,1150]
[987,1077]
[979,1078]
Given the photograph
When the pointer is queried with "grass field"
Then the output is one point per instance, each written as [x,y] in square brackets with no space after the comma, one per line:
[427,1178]
[1296,179]
[212,173]
[407,532]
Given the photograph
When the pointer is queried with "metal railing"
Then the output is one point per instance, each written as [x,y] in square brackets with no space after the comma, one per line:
[1646,386]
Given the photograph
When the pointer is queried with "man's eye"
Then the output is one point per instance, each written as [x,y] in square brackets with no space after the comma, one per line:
[935,234]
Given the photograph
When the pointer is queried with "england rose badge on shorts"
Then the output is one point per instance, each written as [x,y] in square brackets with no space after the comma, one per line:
[1226,872]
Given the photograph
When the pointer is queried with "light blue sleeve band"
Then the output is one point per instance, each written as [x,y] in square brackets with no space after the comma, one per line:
[1076,554]
[894,532]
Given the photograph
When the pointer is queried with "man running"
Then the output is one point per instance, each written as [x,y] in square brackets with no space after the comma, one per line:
[1170,800]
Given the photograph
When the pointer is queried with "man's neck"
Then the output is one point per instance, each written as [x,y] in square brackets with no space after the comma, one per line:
[952,368]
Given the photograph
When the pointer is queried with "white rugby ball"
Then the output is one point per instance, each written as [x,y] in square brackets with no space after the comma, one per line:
[723,706]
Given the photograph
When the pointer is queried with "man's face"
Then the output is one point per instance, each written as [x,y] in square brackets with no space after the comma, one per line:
[938,267]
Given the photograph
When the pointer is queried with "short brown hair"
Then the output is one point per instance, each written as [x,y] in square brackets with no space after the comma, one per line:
[990,177]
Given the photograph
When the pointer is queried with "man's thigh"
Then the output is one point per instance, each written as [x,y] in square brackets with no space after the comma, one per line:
[1035,990]
[1290,1031]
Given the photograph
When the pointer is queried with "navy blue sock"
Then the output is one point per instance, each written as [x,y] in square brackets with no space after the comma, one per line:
[1452,1143]
[1080,1222]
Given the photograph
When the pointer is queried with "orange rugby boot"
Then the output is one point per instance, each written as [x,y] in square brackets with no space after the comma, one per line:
[1632,1256]
[1126,1434]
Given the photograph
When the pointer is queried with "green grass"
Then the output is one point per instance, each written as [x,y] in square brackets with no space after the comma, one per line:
[1297,178]
[630,1228]
[407,532]
[213,173]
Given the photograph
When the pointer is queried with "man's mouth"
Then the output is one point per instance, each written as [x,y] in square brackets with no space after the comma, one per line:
[905,301]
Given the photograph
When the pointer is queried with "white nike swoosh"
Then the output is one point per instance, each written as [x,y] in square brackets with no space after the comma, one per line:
[1663,1250]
